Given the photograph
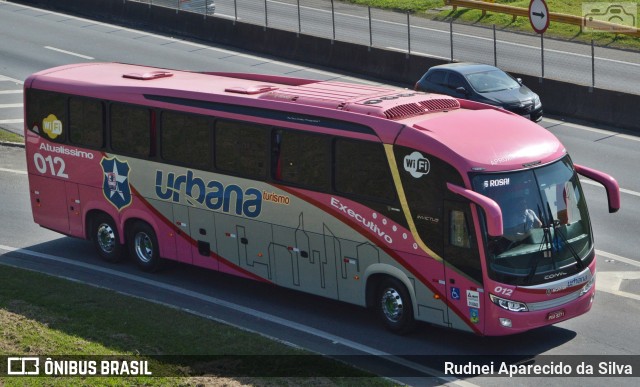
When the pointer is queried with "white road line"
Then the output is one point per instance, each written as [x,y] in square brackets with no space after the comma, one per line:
[239,308]
[610,282]
[5,78]
[618,258]
[13,171]
[10,105]
[607,133]
[12,121]
[622,190]
[68,52]
[10,91]
[446,31]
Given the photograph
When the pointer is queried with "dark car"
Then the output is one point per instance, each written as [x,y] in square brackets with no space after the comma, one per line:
[482,83]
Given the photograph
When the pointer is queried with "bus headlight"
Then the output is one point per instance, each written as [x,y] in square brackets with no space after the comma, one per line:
[585,289]
[512,306]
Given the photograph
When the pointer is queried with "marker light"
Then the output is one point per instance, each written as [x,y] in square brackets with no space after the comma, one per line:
[505,322]
[512,306]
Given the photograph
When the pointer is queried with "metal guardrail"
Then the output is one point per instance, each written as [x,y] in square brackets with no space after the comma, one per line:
[515,12]
[527,54]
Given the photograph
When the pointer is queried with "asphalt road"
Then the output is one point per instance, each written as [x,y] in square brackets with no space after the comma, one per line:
[516,52]
[34,40]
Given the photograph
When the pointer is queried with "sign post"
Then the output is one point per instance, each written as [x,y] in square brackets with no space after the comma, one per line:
[539,19]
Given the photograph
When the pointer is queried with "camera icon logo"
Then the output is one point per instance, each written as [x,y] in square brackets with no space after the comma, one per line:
[609,17]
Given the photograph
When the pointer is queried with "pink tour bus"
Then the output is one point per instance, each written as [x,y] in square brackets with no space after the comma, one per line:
[420,206]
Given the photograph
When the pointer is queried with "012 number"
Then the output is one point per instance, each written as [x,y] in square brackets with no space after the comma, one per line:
[53,165]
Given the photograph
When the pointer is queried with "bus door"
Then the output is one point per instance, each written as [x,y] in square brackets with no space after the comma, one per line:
[203,232]
[183,245]
[49,202]
[74,209]
[463,271]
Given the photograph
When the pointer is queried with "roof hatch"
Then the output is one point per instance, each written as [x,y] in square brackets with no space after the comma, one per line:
[148,75]
[257,89]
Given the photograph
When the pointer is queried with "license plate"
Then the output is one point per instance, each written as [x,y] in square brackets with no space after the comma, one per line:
[555,315]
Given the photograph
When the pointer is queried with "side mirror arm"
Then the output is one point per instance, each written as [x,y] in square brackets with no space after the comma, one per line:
[491,209]
[610,184]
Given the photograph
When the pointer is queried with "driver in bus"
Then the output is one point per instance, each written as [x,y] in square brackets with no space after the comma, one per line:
[521,220]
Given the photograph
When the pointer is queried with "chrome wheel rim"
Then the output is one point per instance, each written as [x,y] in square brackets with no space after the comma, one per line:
[392,305]
[106,238]
[144,247]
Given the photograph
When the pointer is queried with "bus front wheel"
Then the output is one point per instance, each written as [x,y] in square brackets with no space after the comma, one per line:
[143,247]
[106,239]
[394,306]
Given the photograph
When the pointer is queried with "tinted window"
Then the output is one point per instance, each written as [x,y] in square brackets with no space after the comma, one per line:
[86,122]
[131,130]
[361,168]
[437,77]
[455,81]
[242,148]
[424,179]
[186,139]
[46,114]
[302,159]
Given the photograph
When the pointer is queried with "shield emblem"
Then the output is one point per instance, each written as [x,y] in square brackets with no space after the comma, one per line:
[115,182]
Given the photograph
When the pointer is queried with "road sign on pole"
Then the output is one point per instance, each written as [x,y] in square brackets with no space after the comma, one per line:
[539,15]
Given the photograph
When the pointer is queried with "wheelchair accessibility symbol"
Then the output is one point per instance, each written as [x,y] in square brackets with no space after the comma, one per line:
[455,293]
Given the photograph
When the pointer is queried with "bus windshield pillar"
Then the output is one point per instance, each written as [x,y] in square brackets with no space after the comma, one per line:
[490,207]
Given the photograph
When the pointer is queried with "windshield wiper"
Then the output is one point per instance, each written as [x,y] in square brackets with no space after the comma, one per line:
[551,243]
[544,243]
[560,240]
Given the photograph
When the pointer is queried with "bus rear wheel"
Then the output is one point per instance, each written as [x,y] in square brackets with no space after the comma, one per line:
[106,239]
[144,248]
[394,307]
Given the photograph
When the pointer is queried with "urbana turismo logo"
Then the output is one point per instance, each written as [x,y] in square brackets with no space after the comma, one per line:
[213,194]
[115,182]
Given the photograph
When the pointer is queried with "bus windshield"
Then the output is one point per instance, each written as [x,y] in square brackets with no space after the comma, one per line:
[547,233]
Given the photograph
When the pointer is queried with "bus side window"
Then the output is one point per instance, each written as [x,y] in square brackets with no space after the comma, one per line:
[46,114]
[362,169]
[242,148]
[186,139]
[303,159]
[131,129]
[86,122]
[459,230]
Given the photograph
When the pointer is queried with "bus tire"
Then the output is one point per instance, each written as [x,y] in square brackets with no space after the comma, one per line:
[106,239]
[394,307]
[144,248]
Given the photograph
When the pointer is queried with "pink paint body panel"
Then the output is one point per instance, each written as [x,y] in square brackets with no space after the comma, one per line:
[314,230]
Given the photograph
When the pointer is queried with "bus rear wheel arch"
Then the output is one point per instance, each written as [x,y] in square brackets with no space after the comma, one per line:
[105,237]
[143,246]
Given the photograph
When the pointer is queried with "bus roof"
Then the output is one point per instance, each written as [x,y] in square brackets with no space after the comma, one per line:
[480,135]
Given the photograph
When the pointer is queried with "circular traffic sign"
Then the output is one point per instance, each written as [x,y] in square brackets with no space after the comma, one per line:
[539,15]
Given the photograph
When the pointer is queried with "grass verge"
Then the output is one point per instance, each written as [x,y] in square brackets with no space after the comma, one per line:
[45,316]
[7,136]
[435,9]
